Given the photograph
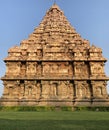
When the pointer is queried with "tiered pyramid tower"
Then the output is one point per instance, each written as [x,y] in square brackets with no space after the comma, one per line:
[55,66]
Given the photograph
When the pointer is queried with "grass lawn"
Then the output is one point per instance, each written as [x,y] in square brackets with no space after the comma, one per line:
[54,120]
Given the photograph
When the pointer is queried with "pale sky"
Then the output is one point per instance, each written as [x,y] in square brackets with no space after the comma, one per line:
[18,18]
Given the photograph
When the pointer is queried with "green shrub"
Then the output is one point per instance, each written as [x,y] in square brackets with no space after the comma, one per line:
[100,108]
[95,108]
[82,108]
[27,108]
[66,108]
[52,108]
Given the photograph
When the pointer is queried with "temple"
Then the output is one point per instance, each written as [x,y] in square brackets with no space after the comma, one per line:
[55,66]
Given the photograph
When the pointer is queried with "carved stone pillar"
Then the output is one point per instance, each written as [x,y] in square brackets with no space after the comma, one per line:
[36,90]
[70,90]
[54,89]
[79,91]
[71,69]
[23,68]
[45,89]
[39,69]
[21,90]
[76,89]
[31,68]
[6,90]
[16,89]
[104,89]
[93,89]
[83,90]
[39,90]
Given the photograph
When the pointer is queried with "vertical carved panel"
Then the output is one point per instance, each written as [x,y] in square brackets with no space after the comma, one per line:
[81,69]
[31,68]
[23,68]
[83,89]
[12,68]
[97,68]
[99,89]
[71,69]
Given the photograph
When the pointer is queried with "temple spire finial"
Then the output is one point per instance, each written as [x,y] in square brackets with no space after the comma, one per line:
[54,2]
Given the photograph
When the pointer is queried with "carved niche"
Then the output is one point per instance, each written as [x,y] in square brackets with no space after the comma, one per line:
[56,68]
[30,89]
[11,90]
[12,68]
[31,68]
[57,89]
[97,68]
[99,89]
[81,69]
[83,90]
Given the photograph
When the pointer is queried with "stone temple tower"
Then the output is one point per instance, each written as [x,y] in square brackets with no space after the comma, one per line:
[55,66]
